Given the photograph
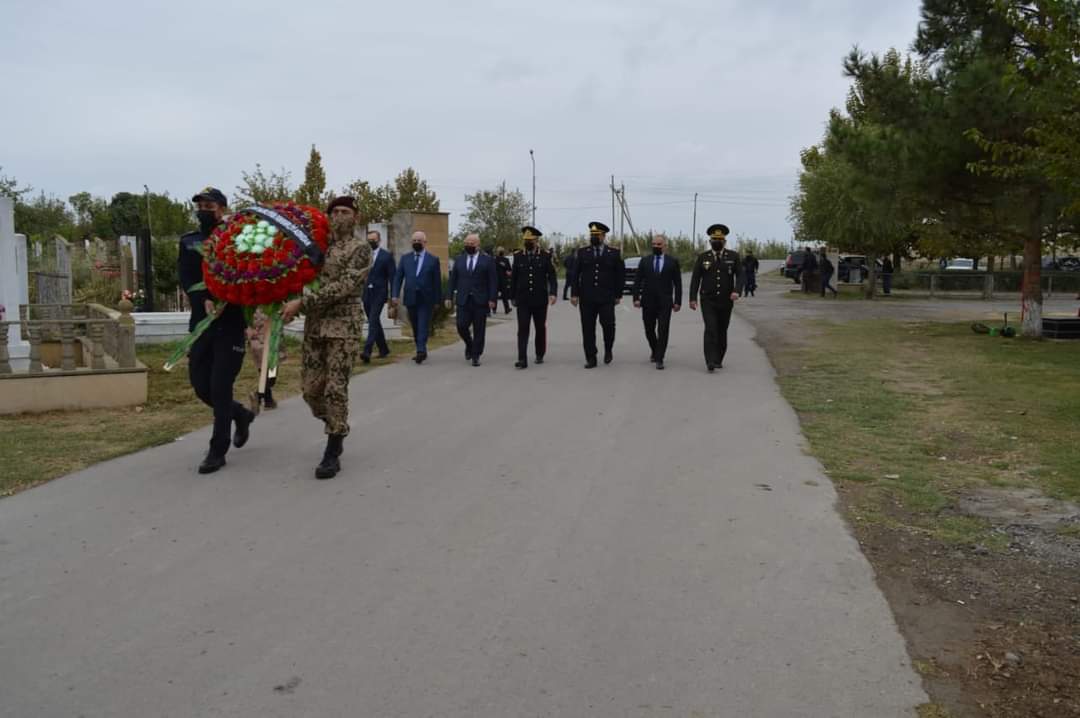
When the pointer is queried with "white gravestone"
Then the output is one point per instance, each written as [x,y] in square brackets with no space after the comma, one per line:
[14,281]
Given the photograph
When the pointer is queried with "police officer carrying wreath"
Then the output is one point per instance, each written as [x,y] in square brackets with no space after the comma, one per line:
[534,284]
[218,355]
[333,323]
[718,274]
[597,288]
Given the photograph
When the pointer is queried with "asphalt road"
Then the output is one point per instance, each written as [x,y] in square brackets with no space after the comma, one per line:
[554,542]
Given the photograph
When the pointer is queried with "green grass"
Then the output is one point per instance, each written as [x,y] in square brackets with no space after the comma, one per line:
[40,447]
[912,415]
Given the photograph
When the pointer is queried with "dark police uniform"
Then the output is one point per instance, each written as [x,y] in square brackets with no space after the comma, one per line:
[717,275]
[598,283]
[533,281]
[217,356]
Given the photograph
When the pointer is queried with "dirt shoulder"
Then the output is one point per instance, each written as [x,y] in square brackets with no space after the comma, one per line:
[957,462]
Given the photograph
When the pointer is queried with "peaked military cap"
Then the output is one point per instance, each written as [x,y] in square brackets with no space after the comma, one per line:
[531,233]
[718,231]
[211,194]
[598,228]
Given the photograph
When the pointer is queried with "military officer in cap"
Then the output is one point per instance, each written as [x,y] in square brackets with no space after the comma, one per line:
[534,284]
[217,356]
[596,289]
[719,277]
[333,323]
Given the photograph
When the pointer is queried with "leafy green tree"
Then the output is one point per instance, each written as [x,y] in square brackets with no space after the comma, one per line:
[126,215]
[312,191]
[497,216]
[43,217]
[408,192]
[9,187]
[259,188]
[92,216]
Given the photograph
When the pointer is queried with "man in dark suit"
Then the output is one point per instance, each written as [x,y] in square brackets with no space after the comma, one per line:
[534,284]
[421,276]
[475,281]
[502,263]
[376,292]
[658,292]
[596,289]
[568,264]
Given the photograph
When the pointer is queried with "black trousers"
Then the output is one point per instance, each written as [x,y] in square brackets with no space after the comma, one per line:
[716,311]
[537,316]
[471,326]
[657,323]
[213,363]
[375,335]
[590,312]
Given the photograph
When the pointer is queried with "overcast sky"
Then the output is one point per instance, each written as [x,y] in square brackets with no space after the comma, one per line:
[711,96]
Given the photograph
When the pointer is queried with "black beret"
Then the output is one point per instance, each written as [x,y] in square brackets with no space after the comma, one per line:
[211,194]
[598,228]
[343,201]
[530,232]
[718,231]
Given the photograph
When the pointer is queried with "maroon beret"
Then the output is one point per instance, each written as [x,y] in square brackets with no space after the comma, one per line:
[344,201]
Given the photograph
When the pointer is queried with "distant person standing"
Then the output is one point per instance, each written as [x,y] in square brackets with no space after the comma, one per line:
[886,275]
[420,276]
[825,266]
[658,292]
[750,266]
[809,269]
[502,263]
[718,275]
[568,264]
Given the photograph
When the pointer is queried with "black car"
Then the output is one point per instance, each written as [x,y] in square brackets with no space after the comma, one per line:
[630,265]
[851,261]
[792,268]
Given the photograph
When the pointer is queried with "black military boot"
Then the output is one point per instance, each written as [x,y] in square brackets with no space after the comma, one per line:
[211,463]
[243,428]
[329,467]
[268,398]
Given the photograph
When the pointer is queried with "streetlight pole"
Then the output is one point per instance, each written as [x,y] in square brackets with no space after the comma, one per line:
[533,158]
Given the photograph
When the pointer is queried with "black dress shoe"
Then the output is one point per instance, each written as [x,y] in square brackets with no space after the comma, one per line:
[366,358]
[591,363]
[521,365]
[421,357]
[659,363]
[652,358]
[711,367]
[608,357]
[243,430]
[416,358]
[211,463]
[540,360]
[468,355]
[476,361]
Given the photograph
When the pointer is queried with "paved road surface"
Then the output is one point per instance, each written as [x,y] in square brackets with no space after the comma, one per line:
[556,542]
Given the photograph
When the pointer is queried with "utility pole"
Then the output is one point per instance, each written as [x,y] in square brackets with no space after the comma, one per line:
[533,158]
[694,234]
[622,214]
[147,258]
[612,200]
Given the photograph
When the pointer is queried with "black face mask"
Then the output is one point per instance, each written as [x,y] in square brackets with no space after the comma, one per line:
[374,245]
[530,246]
[596,240]
[470,250]
[717,245]
[417,247]
[207,220]
[657,251]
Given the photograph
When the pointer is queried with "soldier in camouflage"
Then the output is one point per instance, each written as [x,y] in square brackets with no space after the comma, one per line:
[333,323]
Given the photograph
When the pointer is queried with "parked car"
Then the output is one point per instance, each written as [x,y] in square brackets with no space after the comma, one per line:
[1062,264]
[848,262]
[792,268]
[630,265]
[960,264]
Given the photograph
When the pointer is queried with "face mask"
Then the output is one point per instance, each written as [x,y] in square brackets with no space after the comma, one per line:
[207,220]
[417,247]
[657,251]
[717,245]
[596,240]
[530,246]
[468,250]
[343,225]
[373,245]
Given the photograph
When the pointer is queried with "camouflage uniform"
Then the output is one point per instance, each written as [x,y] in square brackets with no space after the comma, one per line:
[333,324]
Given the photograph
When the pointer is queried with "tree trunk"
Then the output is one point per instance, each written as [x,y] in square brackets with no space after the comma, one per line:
[990,263]
[870,289]
[1031,299]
